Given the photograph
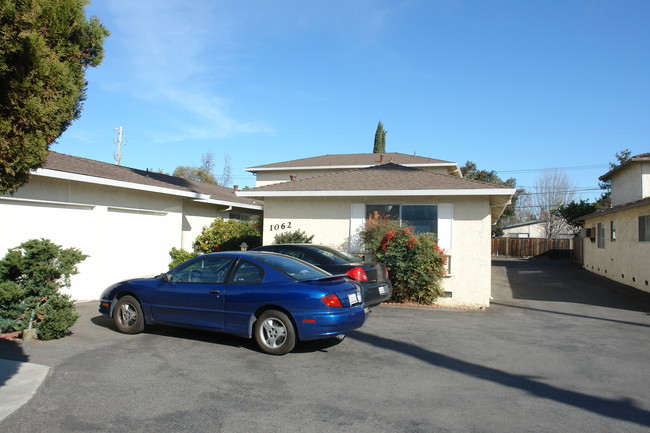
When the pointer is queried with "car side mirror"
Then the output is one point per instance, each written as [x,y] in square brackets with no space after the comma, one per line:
[166,277]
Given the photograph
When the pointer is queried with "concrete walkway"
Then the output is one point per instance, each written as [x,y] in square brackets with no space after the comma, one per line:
[19,381]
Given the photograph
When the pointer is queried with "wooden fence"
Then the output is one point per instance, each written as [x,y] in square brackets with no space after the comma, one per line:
[533,247]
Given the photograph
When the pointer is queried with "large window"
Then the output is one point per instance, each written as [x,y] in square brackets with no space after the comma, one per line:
[423,218]
[644,228]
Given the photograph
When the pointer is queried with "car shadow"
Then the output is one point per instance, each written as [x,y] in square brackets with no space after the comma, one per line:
[219,338]
[563,281]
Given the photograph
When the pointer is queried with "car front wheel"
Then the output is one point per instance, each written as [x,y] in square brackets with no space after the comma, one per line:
[274,333]
[127,316]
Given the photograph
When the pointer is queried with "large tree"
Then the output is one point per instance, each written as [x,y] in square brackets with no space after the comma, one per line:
[205,172]
[380,139]
[45,48]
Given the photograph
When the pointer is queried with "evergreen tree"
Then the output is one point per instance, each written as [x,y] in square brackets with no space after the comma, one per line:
[45,48]
[380,139]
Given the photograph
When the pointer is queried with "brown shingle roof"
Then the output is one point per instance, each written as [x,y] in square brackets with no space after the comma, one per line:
[74,164]
[387,177]
[351,160]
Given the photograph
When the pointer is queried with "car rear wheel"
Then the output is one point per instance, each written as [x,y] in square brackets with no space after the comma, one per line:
[274,333]
[127,316]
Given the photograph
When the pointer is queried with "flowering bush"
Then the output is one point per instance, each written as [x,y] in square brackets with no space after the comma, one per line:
[415,262]
[227,235]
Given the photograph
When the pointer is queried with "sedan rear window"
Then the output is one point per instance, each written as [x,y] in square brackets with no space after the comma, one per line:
[293,268]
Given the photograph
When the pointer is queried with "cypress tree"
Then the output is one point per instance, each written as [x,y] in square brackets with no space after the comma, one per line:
[380,139]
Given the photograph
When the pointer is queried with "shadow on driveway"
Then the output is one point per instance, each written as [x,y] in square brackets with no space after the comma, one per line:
[623,409]
[562,281]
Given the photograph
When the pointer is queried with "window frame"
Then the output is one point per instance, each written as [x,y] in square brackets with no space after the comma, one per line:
[644,228]
[400,207]
[600,235]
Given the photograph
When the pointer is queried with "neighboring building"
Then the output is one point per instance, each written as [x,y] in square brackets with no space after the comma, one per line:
[332,204]
[534,229]
[126,220]
[616,241]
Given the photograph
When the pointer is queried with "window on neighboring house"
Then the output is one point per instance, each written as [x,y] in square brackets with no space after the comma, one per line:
[644,228]
[612,229]
[423,218]
[601,235]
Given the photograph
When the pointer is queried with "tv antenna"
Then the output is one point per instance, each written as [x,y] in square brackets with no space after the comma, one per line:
[120,143]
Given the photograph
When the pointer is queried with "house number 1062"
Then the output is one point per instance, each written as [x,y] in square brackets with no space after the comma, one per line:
[282,226]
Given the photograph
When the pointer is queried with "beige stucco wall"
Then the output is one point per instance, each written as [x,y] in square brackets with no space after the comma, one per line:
[625,260]
[328,219]
[271,177]
[631,183]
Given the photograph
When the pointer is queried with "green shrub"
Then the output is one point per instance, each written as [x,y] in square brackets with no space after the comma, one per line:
[227,235]
[416,263]
[179,256]
[295,237]
[57,315]
[31,277]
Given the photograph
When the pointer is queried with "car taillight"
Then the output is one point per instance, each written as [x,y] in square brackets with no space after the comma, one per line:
[357,274]
[387,274]
[332,300]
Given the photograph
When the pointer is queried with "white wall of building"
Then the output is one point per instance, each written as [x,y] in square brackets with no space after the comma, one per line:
[631,183]
[330,220]
[626,259]
[127,233]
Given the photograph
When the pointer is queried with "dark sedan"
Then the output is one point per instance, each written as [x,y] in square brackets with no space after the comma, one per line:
[276,299]
[372,276]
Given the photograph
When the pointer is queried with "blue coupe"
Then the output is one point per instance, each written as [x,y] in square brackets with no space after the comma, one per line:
[277,299]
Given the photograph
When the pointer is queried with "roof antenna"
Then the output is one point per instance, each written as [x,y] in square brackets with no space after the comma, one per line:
[119,142]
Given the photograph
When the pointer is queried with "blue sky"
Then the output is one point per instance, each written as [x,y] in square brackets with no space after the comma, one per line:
[515,86]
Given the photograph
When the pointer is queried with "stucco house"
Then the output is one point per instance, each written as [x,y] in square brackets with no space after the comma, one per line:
[616,241]
[127,220]
[331,196]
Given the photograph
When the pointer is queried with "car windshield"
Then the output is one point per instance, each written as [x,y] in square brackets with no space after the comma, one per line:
[297,270]
[335,256]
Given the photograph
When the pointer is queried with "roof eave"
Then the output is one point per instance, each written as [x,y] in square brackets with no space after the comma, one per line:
[509,192]
[345,167]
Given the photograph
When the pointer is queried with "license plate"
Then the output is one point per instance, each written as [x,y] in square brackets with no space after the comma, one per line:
[354,298]
[383,290]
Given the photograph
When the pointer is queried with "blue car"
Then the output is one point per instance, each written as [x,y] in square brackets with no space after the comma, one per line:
[276,299]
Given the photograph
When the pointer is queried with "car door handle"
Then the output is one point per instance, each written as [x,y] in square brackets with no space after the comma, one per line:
[215,291]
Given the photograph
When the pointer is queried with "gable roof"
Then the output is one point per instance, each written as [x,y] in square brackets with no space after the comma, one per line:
[354,160]
[70,167]
[644,157]
[386,179]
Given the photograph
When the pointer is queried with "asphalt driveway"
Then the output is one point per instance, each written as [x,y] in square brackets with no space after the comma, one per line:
[559,350]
